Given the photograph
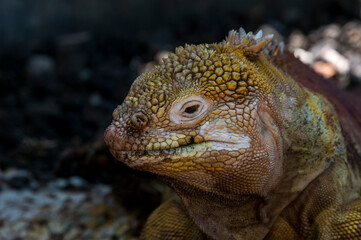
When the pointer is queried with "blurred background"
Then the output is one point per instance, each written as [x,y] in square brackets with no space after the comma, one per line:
[65,65]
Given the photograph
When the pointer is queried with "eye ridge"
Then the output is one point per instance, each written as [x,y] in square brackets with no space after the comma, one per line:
[191,109]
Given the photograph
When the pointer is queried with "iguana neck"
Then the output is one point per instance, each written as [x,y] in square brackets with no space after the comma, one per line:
[223,217]
[311,136]
[311,132]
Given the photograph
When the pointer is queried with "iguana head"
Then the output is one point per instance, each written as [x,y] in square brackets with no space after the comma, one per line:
[205,116]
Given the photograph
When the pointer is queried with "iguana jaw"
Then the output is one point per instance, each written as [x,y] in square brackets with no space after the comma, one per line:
[208,154]
[192,151]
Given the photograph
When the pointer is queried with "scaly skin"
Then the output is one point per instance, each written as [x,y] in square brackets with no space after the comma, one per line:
[251,153]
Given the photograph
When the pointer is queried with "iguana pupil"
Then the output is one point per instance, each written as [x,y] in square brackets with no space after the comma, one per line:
[191,109]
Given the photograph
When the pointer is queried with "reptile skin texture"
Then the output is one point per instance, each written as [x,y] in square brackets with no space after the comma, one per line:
[254,144]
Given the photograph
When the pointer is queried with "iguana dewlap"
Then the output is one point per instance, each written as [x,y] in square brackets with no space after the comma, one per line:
[253,153]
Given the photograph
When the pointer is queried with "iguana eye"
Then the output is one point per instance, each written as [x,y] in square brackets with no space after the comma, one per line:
[189,110]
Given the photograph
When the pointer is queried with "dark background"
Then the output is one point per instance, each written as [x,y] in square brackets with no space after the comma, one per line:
[65,65]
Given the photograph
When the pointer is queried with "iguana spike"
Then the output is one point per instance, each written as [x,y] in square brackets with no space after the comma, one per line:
[252,45]
[258,35]
[242,32]
[275,49]
[281,48]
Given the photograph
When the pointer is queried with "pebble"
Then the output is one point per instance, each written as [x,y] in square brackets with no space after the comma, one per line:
[39,233]
[355,66]
[17,178]
[58,227]
[297,40]
[78,182]
[40,64]
[327,70]
[73,182]
[305,56]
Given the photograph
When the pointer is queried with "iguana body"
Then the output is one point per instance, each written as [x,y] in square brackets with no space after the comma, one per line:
[251,153]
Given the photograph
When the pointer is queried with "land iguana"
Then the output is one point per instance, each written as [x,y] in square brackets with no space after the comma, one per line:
[254,143]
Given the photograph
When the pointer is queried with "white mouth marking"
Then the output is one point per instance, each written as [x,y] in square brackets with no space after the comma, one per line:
[224,139]
[237,142]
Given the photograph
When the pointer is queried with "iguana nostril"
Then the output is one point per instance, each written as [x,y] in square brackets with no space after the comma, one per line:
[139,120]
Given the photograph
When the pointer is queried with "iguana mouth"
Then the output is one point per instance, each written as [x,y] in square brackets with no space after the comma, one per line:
[174,147]
[140,157]
[194,150]
[168,150]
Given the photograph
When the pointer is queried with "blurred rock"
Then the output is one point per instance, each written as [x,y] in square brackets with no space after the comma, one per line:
[78,183]
[59,183]
[31,144]
[58,227]
[73,234]
[355,65]
[327,32]
[17,178]
[327,53]
[331,31]
[40,64]
[74,39]
[351,35]
[331,59]
[85,74]
[325,69]
[297,40]
[34,185]
[95,99]
[147,67]
[73,182]
[38,233]
[305,56]
[160,56]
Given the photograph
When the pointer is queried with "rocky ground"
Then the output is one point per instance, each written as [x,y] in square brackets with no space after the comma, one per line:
[57,179]
[54,212]
[68,208]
